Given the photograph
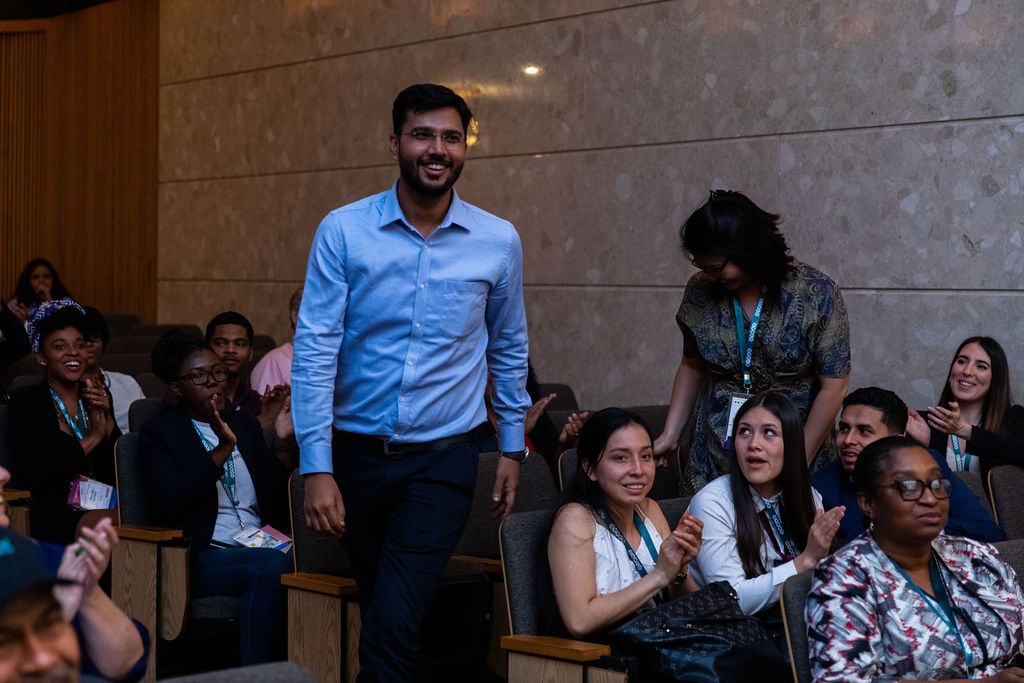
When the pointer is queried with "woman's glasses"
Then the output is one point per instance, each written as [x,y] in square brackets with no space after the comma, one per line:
[913,489]
[201,377]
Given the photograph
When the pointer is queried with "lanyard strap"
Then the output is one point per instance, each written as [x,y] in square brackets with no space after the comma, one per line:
[961,460]
[745,338]
[638,522]
[780,531]
[942,608]
[80,425]
[227,480]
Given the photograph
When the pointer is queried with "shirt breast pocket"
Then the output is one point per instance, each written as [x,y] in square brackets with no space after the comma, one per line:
[462,307]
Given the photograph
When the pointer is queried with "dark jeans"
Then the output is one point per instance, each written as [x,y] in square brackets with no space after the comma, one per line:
[404,516]
[254,574]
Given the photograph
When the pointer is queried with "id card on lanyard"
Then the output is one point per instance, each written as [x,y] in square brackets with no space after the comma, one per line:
[745,343]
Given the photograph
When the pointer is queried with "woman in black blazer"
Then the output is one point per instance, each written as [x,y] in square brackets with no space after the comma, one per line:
[975,424]
[214,477]
[62,427]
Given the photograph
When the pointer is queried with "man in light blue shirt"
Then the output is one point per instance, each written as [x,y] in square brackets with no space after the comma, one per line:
[411,297]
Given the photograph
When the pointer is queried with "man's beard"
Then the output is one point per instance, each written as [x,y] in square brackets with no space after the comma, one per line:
[408,171]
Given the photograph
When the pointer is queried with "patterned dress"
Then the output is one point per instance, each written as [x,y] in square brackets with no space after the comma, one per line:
[803,336]
[866,623]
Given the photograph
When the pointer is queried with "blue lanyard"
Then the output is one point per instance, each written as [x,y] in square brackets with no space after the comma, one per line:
[780,532]
[745,339]
[80,425]
[961,460]
[227,480]
[944,612]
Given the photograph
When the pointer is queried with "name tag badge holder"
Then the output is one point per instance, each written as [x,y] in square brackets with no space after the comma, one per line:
[745,343]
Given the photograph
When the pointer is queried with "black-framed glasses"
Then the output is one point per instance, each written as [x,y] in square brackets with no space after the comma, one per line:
[449,138]
[913,489]
[710,270]
[201,377]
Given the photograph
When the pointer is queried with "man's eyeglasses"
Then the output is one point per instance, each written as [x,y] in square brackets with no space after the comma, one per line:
[710,270]
[913,489]
[448,138]
[201,377]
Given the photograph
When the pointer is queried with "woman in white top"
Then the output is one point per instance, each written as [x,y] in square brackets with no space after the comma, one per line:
[611,550]
[124,390]
[762,522]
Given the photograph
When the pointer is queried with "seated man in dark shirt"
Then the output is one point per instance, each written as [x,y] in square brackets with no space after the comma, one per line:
[869,414]
[230,335]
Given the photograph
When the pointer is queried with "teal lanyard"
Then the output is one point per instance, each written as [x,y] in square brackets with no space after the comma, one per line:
[638,522]
[960,459]
[780,532]
[80,425]
[745,338]
[227,480]
[942,607]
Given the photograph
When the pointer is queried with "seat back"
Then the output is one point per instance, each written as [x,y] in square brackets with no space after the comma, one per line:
[654,416]
[667,480]
[133,364]
[120,323]
[131,344]
[1012,553]
[565,397]
[133,504]
[6,453]
[673,509]
[26,365]
[973,482]
[313,552]
[536,492]
[158,330]
[24,381]
[793,600]
[151,385]
[142,411]
[1006,483]
[263,342]
[524,535]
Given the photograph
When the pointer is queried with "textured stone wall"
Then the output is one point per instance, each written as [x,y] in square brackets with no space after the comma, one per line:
[889,135]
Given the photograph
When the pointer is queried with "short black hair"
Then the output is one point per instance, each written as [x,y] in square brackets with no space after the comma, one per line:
[60,320]
[171,350]
[894,410]
[427,97]
[228,318]
[874,459]
[97,326]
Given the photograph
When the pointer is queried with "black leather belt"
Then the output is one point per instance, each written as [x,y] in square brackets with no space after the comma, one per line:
[385,447]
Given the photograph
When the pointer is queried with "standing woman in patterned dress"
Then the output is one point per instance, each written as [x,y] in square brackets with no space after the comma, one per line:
[753,319]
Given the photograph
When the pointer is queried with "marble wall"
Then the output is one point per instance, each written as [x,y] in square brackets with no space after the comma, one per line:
[889,136]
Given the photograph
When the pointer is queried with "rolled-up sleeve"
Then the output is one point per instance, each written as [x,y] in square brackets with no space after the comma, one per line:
[508,349]
[318,337]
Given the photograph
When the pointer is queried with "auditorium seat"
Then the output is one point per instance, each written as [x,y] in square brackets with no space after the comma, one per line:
[150,566]
[157,330]
[16,499]
[133,364]
[973,482]
[119,323]
[278,672]
[565,397]
[1006,483]
[151,385]
[792,601]
[142,411]
[127,344]
[263,343]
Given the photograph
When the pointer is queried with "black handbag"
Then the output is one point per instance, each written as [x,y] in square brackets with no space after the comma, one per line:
[701,637]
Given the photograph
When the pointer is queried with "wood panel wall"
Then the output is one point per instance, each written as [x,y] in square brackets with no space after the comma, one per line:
[78,110]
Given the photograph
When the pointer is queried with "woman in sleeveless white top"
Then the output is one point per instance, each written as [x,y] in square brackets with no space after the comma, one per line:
[603,569]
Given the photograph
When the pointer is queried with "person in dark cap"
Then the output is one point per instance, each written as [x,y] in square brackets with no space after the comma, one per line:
[36,640]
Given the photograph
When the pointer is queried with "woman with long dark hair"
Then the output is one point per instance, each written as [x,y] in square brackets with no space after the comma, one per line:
[975,423]
[762,521]
[38,282]
[753,319]
[611,550]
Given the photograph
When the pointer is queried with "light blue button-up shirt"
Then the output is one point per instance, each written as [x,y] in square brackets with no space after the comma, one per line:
[396,333]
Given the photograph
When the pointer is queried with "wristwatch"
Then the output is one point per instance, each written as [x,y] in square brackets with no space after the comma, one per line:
[519,456]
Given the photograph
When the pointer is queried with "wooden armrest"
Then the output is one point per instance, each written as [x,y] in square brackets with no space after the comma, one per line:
[152,534]
[487,565]
[558,648]
[11,495]
[327,584]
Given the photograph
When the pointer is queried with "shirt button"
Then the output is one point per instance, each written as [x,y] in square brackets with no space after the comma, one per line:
[422,286]
[418,326]
[411,363]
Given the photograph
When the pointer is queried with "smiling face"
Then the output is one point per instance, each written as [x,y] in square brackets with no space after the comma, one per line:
[36,643]
[858,426]
[430,167]
[195,398]
[971,374]
[901,521]
[625,468]
[63,355]
[760,450]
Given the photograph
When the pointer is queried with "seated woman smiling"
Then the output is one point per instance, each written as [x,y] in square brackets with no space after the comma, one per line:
[902,602]
[611,550]
[763,521]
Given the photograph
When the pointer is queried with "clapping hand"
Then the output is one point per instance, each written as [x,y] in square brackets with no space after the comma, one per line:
[225,437]
[84,562]
[948,420]
[535,411]
[917,428]
[96,397]
[571,431]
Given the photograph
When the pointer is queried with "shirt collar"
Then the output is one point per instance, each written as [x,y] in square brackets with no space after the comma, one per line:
[458,215]
[760,503]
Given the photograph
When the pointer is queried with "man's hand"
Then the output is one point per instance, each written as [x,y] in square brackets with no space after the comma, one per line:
[506,482]
[324,508]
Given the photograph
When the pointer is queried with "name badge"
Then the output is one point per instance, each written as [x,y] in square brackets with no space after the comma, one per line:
[267,537]
[736,401]
[89,494]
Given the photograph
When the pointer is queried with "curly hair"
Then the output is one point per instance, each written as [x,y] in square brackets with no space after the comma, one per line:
[171,350]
